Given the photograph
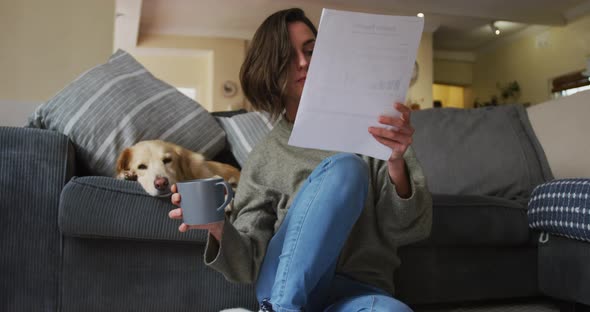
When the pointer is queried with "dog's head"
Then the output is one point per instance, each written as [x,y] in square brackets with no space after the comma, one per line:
[156,165]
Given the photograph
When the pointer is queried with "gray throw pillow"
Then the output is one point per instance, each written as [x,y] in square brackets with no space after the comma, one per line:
[114,105]
[486,151]
[244,131]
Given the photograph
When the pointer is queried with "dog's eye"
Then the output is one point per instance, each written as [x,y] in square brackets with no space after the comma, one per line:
[167,160]
[142,167]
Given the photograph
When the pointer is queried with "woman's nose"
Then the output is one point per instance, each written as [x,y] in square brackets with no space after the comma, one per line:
[302,60]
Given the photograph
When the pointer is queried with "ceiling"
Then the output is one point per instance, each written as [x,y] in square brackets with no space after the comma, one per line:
[457,25]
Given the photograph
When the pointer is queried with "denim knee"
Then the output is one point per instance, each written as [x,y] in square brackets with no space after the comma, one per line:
[349,169]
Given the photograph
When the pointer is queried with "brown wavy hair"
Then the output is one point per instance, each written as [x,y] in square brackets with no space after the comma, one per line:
[264,72]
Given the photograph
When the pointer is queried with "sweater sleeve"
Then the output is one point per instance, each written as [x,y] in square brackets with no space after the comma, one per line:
[239,254]
[403,220]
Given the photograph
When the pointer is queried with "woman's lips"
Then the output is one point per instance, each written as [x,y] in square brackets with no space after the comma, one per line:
[301,80]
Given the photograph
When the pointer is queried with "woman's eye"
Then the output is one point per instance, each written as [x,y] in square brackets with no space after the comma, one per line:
[309,53]
[167,160]
[142,167]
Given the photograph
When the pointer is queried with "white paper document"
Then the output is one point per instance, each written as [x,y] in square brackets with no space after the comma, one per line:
[361,65]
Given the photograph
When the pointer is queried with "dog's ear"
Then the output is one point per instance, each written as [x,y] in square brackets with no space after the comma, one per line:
[123,161]
[191,164]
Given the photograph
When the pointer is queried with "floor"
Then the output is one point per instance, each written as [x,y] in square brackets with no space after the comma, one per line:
[536,306]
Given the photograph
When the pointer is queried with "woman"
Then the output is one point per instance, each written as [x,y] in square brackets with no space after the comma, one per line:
[316,230]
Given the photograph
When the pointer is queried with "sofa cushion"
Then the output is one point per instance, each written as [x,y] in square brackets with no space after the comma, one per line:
[103,207]
[244,131]
[564,272]
[562,207]
[477,221]
[486,151]
[116,104]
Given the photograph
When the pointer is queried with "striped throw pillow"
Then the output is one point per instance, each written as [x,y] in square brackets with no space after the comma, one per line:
[117,104]
[244,131]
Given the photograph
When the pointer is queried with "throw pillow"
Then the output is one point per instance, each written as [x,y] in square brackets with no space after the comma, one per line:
[114,105]
[244,131]
[485,151]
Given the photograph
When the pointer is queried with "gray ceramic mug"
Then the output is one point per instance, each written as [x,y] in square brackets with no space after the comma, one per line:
[203,201]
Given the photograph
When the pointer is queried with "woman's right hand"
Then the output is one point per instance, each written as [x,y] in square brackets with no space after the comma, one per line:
[215,229]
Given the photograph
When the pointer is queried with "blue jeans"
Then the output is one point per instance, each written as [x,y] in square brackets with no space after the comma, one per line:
[298,271]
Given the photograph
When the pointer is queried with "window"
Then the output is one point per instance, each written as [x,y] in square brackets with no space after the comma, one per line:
[569,84]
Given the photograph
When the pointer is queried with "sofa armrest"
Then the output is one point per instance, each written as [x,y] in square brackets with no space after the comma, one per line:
[104,207]
[35,165]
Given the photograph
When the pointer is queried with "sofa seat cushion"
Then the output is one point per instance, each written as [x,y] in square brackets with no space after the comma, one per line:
[477,221]
[562,207]
[103,207]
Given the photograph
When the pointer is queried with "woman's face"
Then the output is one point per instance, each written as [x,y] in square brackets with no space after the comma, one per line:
[302,43]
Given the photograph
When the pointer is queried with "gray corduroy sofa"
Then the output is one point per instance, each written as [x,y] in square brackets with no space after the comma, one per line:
[88,243]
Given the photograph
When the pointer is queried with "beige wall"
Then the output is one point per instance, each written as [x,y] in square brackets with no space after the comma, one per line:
[183,71]
[46,44]
[453,72]
[533,60]
[228,55]
[421,91]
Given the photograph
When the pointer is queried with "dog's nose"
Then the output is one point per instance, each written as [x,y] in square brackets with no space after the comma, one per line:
[161,184]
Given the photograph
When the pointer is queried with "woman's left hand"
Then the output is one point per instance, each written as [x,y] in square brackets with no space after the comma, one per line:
[398,137]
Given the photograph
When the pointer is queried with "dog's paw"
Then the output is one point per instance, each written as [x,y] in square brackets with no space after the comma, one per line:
[235,310]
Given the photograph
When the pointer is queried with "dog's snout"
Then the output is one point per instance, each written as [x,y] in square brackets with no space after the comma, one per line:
[161,184]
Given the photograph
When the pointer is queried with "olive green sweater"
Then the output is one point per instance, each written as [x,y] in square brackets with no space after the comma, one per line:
[269,182]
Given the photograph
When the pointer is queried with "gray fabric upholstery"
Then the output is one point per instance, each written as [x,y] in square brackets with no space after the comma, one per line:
[564,270]
[459,274]
[244,131]
[127,275]
[121,252]
[116,104]
[103,207]
[477,221]
[485,151]
[113,226]
[34,166]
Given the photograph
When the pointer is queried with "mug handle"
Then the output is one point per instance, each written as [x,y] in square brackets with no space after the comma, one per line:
[230,194]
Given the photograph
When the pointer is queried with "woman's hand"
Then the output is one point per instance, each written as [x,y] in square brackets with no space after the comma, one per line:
[216,229]
[398,137]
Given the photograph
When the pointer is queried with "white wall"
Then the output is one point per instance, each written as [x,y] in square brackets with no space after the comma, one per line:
[16,113]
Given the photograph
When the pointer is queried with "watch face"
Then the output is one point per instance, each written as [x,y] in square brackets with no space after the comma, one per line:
[414,74]
[230,88]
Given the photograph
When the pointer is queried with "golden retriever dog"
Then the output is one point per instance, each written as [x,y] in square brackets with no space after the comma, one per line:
[157,165]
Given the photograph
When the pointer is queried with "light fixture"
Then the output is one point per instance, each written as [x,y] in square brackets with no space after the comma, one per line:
[421,15]
[495,28]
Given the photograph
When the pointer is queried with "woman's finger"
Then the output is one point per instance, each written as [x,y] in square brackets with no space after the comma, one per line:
[394,146]
[175,199]
[392,135]
[398,123]
[404,110]
[175,213]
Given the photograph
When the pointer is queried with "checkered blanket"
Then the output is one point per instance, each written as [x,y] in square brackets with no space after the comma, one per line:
[562,207]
